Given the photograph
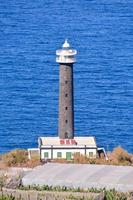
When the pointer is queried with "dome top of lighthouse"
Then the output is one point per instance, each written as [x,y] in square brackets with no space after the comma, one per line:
[66,44]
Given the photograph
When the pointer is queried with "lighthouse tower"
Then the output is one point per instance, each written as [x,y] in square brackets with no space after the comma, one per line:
[66,58]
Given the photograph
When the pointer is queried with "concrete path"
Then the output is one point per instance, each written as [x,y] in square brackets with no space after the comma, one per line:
[82,175]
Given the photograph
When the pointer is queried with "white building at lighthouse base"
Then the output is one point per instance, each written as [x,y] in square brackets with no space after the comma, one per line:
[55,148]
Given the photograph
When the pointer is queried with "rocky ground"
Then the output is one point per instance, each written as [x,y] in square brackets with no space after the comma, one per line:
[11,177]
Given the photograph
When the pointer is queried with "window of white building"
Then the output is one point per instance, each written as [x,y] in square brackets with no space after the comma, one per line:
[90,154]
[46,155]
[59,154]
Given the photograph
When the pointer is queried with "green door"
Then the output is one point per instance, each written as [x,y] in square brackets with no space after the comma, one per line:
[68,155]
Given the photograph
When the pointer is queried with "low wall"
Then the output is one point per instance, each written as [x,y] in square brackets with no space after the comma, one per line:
[50,195]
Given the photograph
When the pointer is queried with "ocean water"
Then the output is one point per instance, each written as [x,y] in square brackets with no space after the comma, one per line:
[30,33]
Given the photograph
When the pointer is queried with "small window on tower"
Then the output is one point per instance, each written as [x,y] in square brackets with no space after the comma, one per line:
[66,121]
[66,82]
[65,108]
[66,95]
[66,135]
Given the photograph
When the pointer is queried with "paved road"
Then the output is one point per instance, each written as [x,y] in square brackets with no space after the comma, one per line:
[82,175]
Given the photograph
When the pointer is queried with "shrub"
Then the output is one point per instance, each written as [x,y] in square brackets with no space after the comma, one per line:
[2,181]
[79,158]
[114,195]
[15,158]
[33,162]
[120,156]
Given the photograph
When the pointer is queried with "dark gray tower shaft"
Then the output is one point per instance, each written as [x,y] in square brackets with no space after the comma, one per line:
[66,57]
[66,105]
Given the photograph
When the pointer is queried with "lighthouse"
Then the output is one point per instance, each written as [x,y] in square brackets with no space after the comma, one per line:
[66,59]
[65,145]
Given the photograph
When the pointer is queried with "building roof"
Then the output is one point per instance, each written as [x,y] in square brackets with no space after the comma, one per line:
[77,141]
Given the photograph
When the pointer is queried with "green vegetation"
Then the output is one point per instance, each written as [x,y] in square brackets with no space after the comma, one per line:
[49,188]
[7,197]
[114,195]
[109,194]
[2,181]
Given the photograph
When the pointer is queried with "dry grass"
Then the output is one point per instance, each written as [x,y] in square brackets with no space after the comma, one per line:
[117,157]
[121,157]
[33,162]
[18,158]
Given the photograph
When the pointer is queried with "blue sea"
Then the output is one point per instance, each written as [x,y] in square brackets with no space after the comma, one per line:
[30,33]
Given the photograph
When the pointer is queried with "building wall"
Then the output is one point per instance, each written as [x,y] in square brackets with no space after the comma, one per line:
[52,154]
[33,152]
